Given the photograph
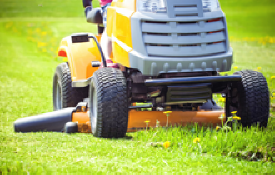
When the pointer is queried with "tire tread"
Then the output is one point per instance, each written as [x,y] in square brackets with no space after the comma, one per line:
[112,117]
[70,95]
[253,98]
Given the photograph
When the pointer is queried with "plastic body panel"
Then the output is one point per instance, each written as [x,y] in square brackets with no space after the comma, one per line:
[80,56]
[119,29]
[168,43]
[184,8]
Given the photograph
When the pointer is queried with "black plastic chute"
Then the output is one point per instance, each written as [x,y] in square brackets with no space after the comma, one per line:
[51,121]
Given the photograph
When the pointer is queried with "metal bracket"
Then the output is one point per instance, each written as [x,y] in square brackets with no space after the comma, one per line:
[82,83]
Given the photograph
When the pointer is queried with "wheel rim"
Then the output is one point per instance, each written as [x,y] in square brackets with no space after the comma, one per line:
[94,110]
[58,97]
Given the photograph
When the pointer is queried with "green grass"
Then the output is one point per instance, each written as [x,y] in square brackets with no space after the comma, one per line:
[249,18]
[28,61]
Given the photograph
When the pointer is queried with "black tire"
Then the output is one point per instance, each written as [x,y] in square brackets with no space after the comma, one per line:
[64,95]
[250,98]
[108,103]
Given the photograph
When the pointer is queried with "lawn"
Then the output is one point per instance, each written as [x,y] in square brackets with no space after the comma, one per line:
[30,32]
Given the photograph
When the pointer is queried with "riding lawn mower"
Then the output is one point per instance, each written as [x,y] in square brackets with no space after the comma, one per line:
[167,55]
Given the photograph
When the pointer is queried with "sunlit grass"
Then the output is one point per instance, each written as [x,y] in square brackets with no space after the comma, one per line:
[242,141]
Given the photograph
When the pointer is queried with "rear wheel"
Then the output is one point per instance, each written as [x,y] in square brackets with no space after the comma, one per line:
[108,103]
[250,98]
[64,95]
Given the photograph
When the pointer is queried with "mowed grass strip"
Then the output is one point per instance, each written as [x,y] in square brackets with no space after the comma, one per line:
[26,89]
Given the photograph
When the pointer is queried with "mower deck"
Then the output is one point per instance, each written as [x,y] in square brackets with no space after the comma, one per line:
[136,119]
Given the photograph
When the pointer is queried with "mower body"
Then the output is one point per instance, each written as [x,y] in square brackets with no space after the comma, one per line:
[170,60]
[158,43]
[79,57]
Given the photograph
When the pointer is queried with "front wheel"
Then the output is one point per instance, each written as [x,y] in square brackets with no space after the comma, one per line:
[108,103]
[250,98]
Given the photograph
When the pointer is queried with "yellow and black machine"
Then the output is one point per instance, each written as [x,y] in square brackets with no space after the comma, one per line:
[166,56]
